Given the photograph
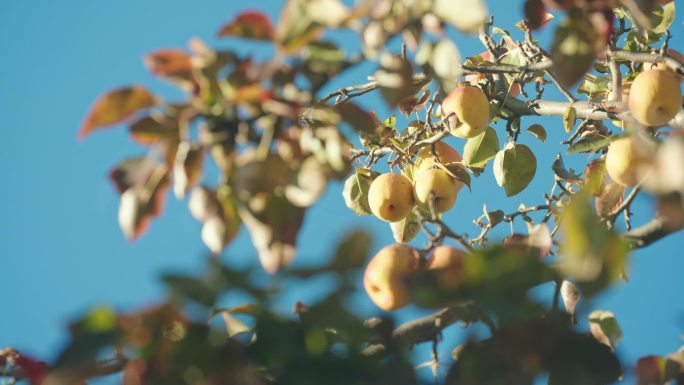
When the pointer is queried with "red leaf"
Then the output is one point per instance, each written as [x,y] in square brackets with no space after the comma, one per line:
[115,107]
[168,62]
[249,25]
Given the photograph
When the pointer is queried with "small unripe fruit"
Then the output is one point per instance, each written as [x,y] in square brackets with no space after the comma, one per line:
[470,108]
[444,152]
[627,162]
[436,182]
[390,197]
[449,261]
[385,275]
[655,97]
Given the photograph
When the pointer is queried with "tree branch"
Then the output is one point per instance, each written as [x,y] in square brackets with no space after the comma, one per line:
[658,228]
[585,110]
[426,328]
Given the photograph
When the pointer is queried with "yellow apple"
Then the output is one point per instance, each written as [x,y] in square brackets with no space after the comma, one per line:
[390,197]
[444,152]
[470,109]
[655,97]
[436,181]
[385,275]
[628,160]
[450,262]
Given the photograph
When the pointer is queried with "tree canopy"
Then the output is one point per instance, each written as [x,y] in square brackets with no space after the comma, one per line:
[273,137]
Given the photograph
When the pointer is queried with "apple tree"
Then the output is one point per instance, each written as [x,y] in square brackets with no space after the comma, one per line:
[278,135]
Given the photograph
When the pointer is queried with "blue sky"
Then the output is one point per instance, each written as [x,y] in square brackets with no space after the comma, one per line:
[60,247]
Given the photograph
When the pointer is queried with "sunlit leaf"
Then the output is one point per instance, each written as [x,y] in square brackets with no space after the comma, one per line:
[570,296]
[514,168]
[115,107]
[609,199]
[605,328]
[466,15]
[355,191]
[187,168]
[666,14]
[595,176]
[273,231]
[139,203]
[406,229]
[538,131]
[311,182]
[481,149]
[445,61]
[569,118]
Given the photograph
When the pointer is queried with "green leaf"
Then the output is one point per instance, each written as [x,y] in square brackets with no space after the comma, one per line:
[538,131]
[480,149]
[323,57]
[273,231]
[514,168]
[593,142]
[592,255]
[406,229]
[115,107]
[188,287]
[152,129]
[666,14]
[574,47]
[561,172]
[595,176]
[249,25]
[296,28]
[444,57]
[395,79]
[457,171]
[355,191]
[311,181]
[466,15]
[605,328]
[352,250]
[569,118]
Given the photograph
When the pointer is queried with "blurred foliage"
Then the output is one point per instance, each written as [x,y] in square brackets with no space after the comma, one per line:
[278,142]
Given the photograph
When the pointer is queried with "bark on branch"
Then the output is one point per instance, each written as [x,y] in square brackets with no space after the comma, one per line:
[427,328]
[658,228]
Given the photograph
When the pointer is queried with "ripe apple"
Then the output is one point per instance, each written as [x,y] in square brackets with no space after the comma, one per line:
[470,109]
[390,197]
[655,97]
[385,274]
[450,262]
[444,152]
[628,160]
[436,181]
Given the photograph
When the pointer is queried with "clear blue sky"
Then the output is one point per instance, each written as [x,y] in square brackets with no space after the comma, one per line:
[60,248]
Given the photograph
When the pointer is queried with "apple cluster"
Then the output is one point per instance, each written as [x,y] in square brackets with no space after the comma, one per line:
[431,187]
[392,197]
[654,97]
[385,278]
